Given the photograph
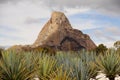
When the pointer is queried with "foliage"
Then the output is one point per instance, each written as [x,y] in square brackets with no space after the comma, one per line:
[15,67]
[44,50]
[117,44]
[82,65]
[109,64]
[61,74]
[1,52]
[101,49]
[45,65]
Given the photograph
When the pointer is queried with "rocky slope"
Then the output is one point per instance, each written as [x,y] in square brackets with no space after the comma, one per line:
[59,35]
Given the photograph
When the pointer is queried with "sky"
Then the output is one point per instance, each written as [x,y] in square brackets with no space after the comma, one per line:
[22,20]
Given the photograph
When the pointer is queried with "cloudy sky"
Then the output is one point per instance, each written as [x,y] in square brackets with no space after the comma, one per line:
[22,20]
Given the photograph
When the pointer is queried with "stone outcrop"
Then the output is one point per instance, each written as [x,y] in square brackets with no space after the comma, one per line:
[58,34]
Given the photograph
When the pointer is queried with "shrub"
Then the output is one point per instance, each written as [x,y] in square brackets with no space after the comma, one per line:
[101,49]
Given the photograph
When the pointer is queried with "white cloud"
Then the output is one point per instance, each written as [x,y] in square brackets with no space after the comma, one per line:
[85,25]
[25,18]
[107,35]
[71,11]
[14,14]
[14,17]
[107,44]
[109,7]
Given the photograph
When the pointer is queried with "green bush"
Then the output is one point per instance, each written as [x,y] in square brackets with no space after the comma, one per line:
[101,49]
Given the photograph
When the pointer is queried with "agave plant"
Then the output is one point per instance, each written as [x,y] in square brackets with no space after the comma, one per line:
[87,56]
[68,60]
[13,67]
[88,71]
[109,64]
[0,74]
[45,66]
[87,65]
[81,64]
[61,74]
[85,70]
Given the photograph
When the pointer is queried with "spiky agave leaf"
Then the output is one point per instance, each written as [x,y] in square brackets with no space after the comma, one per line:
[88,71]
[109,64]
[82,64]
[0,73]
[45,66]
[13,67]
[61,74]
[86,65]
[85,71]
[87,56]
[65,59]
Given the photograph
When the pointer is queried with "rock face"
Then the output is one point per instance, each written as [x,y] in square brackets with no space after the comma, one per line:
[59,35]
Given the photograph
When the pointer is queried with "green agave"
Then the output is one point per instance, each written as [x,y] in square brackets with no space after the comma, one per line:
[61,74]
[84,65]
[14,67]
[81,63]
[109,64]
[86,68]
[45,66]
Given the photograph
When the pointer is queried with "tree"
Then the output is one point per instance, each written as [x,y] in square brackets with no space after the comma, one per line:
[1,52]
[101,48]
[117,44]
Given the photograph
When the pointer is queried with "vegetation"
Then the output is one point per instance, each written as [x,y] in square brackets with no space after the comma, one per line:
[44,50]
[117,45]
[82,65]
[101,49]
[16,67]
[109,64]
[1,49]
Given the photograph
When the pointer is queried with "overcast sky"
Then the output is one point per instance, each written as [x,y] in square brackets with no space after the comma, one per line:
[22,20]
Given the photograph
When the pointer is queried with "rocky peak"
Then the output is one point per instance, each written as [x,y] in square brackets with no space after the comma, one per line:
[60,20]
[58,16]
[59,34]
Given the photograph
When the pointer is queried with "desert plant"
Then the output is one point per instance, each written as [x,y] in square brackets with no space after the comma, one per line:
[66,59]
[45,66]
[45,50]
[87,72]
[61,74]
[83,70]
[87,68]
[81,63]
[14,67]
[87,56]
[109,64]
